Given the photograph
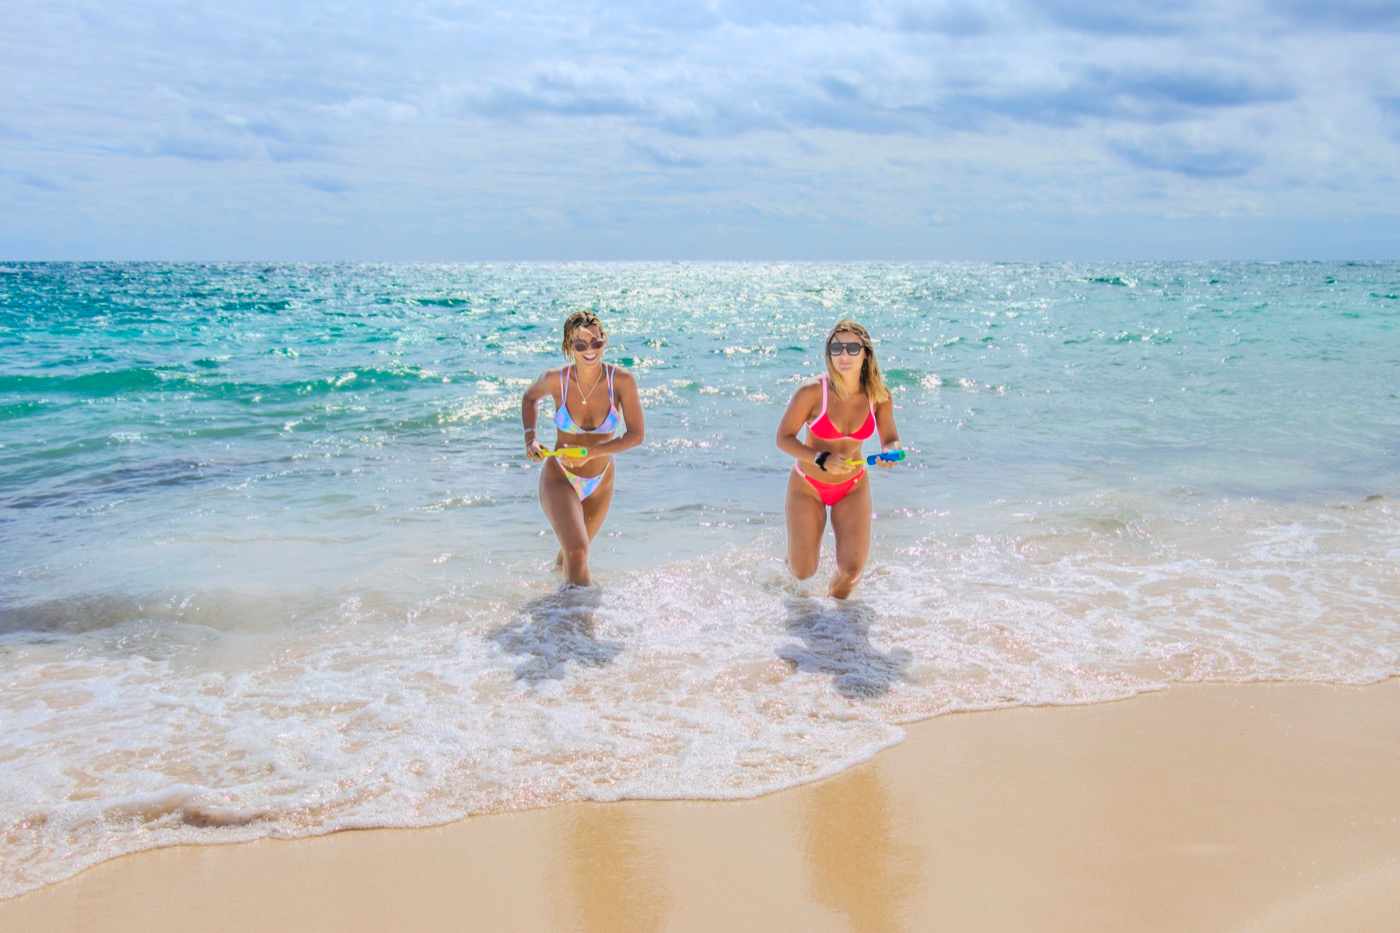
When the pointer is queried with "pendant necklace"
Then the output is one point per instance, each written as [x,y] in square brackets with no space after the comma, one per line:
[582,395]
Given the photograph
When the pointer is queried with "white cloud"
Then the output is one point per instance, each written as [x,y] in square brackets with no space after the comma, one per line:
[543,129]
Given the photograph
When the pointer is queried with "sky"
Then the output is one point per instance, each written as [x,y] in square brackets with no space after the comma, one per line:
[825,130]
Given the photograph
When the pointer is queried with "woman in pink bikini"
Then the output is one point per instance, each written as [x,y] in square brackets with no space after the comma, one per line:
[575,492]
[840,410]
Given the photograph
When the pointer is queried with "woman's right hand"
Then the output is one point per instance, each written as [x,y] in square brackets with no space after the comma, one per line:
[836,466]
[533,450]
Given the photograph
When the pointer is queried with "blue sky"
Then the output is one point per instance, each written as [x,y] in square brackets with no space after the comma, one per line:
[714,130]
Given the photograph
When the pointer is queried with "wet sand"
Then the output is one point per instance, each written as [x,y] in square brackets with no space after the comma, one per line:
[1260,808]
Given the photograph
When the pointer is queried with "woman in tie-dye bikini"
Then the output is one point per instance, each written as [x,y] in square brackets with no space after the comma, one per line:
[575,492]
[840,409]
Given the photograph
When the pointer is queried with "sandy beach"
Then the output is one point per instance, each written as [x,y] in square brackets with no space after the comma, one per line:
[1053,338]
[1262,807]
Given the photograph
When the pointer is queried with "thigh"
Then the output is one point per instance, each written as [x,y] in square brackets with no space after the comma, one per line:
[850,521]
[562,508]
[595,507]
[806,520]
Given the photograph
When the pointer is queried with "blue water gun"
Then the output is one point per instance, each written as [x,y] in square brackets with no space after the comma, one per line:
[889,456]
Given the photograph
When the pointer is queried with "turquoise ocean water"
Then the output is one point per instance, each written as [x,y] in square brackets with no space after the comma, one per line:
[271,562]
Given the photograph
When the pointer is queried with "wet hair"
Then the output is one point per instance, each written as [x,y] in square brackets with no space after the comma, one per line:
[576,320]
[872,383]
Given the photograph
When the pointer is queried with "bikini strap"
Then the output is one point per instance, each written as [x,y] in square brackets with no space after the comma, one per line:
[564,386]
[823,411]
[611,370]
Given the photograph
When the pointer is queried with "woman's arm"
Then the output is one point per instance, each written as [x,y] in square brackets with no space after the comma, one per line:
[529,411]
[889,433]
[625,386]
[798,411]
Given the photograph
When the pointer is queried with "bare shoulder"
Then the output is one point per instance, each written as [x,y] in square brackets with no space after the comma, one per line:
[806,398]
[547,381]
[622,377]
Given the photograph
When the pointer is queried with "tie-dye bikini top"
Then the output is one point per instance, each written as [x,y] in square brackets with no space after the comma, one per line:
[565,421]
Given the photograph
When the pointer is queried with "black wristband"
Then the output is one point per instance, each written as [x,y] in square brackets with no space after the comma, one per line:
[820,460]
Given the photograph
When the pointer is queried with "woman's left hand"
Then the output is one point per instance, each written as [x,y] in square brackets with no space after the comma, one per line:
[888,448]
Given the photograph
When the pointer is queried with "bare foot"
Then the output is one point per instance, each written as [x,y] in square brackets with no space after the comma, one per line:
[842,585]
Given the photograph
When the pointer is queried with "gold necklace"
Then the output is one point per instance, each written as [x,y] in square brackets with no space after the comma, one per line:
[582,395]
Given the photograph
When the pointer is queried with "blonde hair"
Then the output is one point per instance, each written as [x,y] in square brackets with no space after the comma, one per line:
[576,320]
[872,383]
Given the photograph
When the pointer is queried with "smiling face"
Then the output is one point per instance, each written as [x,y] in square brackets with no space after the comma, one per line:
[586,344]
[584,338]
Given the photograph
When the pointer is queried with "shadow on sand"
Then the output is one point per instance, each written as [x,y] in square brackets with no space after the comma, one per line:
[836,641]
[554,630]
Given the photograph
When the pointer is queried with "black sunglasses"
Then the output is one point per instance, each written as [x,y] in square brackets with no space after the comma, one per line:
[836,348]
[583,346]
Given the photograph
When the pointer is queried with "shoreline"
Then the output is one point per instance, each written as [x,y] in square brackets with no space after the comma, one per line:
[1262,807]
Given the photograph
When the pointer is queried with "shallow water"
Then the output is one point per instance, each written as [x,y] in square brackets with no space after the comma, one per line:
[271,564]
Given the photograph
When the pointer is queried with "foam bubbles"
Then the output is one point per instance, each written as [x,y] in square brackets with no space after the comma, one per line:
[326,601]
[713,677]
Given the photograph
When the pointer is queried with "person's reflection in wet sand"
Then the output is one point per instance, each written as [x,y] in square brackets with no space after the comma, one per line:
[554,630]
[836,641]
[858,865]
[616,880]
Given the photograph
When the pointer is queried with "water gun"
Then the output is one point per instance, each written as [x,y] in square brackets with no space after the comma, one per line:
[565,452]
[890,456]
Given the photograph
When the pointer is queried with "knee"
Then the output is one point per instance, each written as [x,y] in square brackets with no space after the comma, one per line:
[802,569]
[575,553]
[849,569]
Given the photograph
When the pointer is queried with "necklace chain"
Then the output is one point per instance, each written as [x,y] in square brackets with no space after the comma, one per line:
[582,395]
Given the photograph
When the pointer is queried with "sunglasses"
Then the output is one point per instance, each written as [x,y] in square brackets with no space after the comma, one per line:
[837,347]
[583,346]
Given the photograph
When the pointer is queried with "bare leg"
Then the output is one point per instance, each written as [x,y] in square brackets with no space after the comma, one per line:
[806,520]
[575,523]
[595,507]
[850,520]
[595,510]
[565,513]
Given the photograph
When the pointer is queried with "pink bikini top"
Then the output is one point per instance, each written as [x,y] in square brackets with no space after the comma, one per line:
[822,427]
